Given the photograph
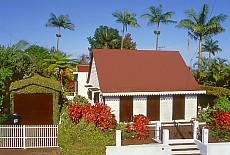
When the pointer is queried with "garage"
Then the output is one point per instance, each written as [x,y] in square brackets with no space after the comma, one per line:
[37,100]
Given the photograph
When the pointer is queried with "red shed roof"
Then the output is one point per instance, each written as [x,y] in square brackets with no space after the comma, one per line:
[142,71]
[83,68]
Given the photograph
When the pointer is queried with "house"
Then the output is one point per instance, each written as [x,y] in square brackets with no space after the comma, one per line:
[80,77]
[157,84]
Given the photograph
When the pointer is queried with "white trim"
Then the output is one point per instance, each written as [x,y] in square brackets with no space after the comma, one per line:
[154,93]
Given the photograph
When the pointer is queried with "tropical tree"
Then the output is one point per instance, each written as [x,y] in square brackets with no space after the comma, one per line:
[60,65]
[200,26]
[211,47]
[215,72]
[15,65]
[156,16]
[61,21]
[105,38]
[126,19]
[38,54]
[128,43]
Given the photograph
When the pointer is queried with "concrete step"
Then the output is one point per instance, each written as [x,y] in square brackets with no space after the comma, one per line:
[180,141]
[190,146]
[184,152]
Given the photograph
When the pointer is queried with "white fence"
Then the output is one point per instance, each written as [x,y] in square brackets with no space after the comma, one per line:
[28,136]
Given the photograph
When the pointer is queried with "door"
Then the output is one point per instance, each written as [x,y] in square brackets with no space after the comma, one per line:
[153,108]
[178,107]
[126,108]
[34,109]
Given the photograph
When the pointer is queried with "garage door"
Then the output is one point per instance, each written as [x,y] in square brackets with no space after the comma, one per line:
[34,109]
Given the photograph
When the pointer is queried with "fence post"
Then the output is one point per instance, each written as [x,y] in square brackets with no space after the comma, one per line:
[205,136]
[118,137]
[195,129]
[157,130]
[24,136]
[165,137]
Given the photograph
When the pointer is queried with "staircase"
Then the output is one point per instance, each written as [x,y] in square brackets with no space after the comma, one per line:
[184,147]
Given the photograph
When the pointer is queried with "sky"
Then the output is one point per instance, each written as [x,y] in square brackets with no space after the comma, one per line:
[26,19]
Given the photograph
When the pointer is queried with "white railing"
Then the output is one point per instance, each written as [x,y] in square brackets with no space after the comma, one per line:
[28,136]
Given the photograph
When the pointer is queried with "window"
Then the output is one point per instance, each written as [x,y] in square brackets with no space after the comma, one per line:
[96,97]
[90,94]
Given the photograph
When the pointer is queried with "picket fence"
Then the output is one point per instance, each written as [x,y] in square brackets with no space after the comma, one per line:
[28,136]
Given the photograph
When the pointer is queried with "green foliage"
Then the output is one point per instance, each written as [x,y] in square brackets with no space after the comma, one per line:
[223,104]
[38,54]
[126,133]
[36,80]
[216,91]
[206,114]
[80,100]
[3,118]
[105,37]
[60,66]
[14,65]
[82,138]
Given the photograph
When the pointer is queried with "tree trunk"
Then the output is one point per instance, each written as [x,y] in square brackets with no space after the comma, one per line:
[122,40]
[200,55]
[58,36]
[158,30]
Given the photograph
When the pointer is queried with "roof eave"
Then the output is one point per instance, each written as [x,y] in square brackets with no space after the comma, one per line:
[155,93]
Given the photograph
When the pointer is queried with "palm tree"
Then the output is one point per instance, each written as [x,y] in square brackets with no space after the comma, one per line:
[127,20]
[60,65]
[156,16]
[60,21]
[211,47]
[200,26]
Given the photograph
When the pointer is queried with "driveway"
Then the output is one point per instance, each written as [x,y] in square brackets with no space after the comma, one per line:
[42,151]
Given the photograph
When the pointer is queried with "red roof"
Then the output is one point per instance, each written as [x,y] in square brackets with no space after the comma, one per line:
[142,71]
[83,68]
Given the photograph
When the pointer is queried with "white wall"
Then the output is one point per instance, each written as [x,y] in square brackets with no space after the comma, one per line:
[166,102]
[190,106]
[82,90]
[93,76]
[213,148]
[150,149]
[114,103]
[218,148]
[140,105]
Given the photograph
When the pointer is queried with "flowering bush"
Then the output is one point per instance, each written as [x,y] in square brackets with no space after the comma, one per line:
[222,120]
[139,125]
[218,119]
[98,114]
[75,113]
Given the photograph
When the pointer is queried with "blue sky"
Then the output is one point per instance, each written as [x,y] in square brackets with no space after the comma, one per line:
[25,19]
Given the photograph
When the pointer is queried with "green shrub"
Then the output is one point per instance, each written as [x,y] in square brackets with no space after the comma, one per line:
[80,100]
[223,104]
[83,138]
[126,129]
[3,118]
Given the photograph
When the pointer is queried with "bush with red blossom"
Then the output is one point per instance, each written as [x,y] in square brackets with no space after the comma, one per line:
[99,114]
